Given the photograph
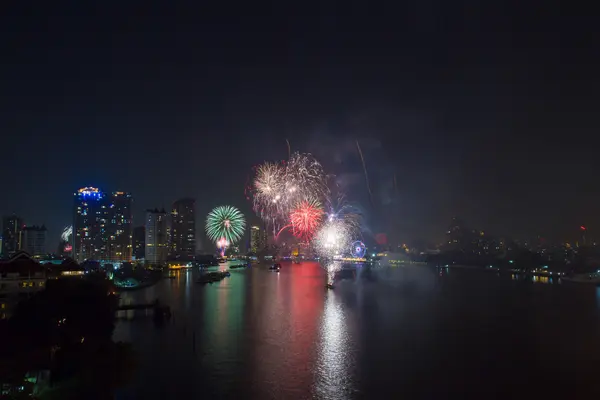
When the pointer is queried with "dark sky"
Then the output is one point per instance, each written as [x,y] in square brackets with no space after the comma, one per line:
[487,112]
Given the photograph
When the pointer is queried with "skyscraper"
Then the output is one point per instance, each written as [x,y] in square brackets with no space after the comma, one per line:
[119,227]
[12,228]
[183,230]
[258,239]
[34,240]
[102,226]
[89,225]
[139,242]
[157,238]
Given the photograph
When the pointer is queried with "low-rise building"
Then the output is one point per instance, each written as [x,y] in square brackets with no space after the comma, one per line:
[69,268]
[20,277]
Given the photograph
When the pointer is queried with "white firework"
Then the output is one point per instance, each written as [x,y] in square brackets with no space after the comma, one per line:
[269,185]
[67,233]
[333,238]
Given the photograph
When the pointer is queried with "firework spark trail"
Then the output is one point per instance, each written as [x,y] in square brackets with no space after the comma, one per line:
[338,207]
[366,174]
[289,149]
[276,235]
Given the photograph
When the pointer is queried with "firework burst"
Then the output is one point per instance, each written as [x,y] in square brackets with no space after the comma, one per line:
[225,222]
[280,189]
[67,233]
[305,219]
[333,238]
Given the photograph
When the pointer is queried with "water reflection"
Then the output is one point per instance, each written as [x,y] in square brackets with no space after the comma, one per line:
[534,278]
[378,334]
[333,373]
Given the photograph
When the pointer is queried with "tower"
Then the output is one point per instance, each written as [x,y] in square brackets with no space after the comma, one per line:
[157,238]
[183,230]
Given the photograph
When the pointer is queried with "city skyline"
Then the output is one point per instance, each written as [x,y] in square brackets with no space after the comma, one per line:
[206,246]
[462,120]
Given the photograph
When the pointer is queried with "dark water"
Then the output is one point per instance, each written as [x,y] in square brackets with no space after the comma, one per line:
[404,332]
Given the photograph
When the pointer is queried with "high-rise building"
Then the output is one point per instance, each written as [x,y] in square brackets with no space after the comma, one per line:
[183,230]
[89,225]
[34,240]
[258,239]
[102,226]
[12,229]
[139,242]
[119,227]
[157,236]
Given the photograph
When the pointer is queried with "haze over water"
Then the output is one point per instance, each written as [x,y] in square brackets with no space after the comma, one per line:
[404,332]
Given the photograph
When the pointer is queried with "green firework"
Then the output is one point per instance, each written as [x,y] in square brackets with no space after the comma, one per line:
[225,222]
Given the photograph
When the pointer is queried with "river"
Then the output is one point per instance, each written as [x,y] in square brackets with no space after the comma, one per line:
[402,332]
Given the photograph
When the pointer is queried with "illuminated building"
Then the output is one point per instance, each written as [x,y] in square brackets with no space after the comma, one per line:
[157,237]
[119,227]
[34,240]
[139,242]
[102,226]
[20,278]
[89,225]
[183,230]
[12,228]
[258,239]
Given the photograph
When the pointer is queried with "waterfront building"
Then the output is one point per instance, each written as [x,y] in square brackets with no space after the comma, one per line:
[139,242]
[183,230]
[119,228]
[89,225]
[102,226]
[34,240]
[20,277]
[68,268]
[12,229]
[157,236]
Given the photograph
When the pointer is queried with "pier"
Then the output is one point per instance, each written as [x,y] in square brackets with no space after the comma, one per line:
[159,309]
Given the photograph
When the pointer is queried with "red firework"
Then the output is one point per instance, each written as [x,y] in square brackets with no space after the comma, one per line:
[305,218]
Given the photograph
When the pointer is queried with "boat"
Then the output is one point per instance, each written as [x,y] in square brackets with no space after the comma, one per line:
[211,277]
[590,279]
[329,286]
[275,267]
[237,266]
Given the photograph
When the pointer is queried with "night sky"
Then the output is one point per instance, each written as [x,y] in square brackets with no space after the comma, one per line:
[486,112]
